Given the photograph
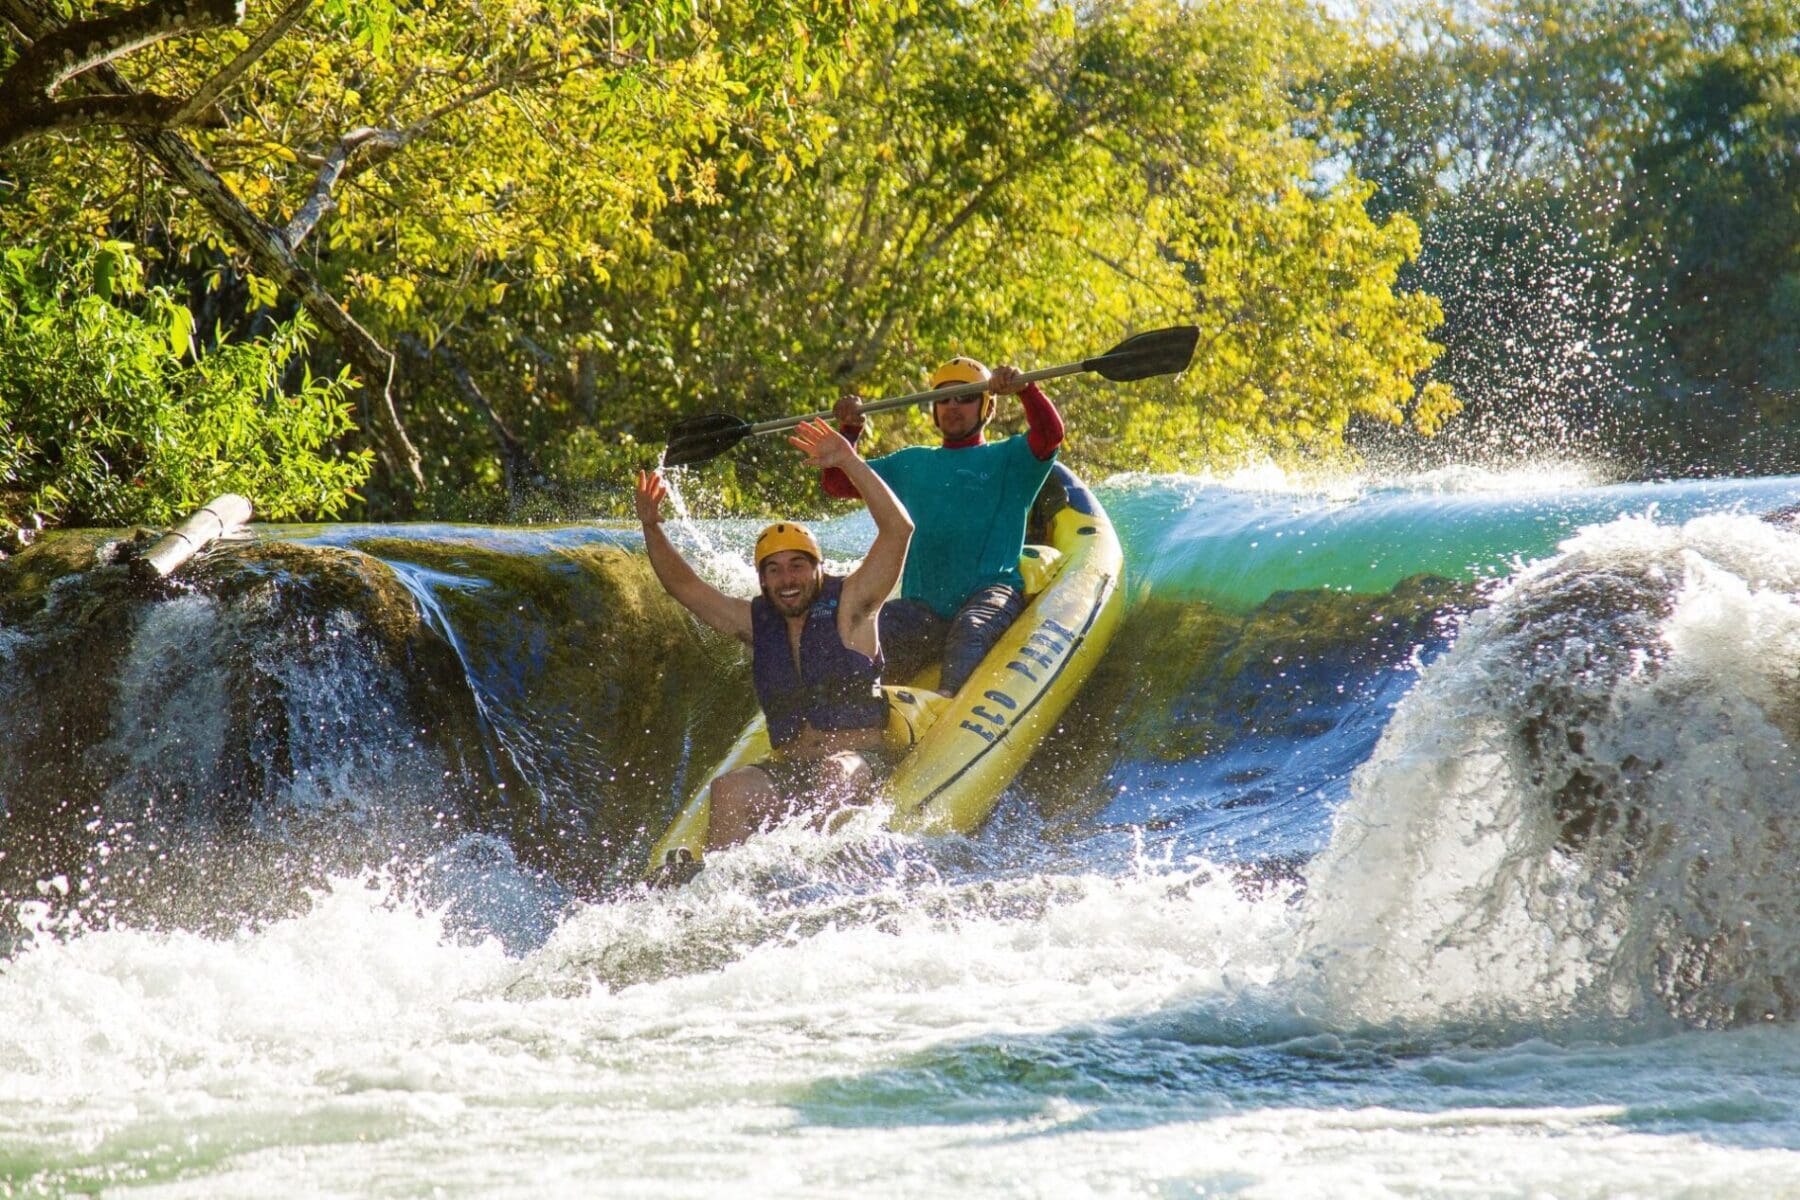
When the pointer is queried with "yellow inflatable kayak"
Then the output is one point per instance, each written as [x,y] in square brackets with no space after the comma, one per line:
[957,754]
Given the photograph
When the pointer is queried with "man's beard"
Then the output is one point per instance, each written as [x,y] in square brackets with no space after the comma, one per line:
[796,606]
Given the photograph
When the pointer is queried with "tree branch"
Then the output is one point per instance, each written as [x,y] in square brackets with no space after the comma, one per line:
[515,460]
[319,200]
[210,91]
[57,55]
[342,162]
[146,111]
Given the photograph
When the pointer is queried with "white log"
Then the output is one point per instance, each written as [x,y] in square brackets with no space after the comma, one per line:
[181,543]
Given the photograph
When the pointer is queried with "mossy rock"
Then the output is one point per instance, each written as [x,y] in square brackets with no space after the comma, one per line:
[26,578]
[273,694]
[612,695]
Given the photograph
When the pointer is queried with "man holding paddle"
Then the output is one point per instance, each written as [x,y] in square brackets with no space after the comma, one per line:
[970,499]
[815,647]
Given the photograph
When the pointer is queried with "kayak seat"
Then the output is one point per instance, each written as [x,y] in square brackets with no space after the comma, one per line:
[911,711]
[1038,565]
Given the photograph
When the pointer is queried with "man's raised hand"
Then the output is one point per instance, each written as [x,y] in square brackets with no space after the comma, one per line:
[649,496]
[822,445]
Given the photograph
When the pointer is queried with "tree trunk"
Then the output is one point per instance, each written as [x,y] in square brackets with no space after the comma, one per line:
[267,251]
[516,463]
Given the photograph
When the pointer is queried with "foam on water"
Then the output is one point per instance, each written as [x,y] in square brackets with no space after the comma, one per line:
[1577,820]
[158,1015]
[149,1056]
[1545,476]
[1261,478]
[1585,809]
[1042,1036]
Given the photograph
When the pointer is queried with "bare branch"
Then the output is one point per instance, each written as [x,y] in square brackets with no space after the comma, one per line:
[210,91]
[59,54]
[1122,271]
[319,200]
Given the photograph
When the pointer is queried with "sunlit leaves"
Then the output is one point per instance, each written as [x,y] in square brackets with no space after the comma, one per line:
[108,415]
[1032,184]
[263,292]
[540,136]
[617,216]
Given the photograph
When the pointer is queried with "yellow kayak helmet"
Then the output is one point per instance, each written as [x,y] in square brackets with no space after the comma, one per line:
[963,370]
[959,370]
[786,535]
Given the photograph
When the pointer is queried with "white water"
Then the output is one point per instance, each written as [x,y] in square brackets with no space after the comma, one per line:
[1457,1006]
[1653,669]
[1041,1037]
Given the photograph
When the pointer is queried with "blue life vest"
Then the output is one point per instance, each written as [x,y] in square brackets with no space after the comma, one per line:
[835,688]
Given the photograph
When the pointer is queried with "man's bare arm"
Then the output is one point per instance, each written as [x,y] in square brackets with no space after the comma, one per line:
[875,576]
[724,613]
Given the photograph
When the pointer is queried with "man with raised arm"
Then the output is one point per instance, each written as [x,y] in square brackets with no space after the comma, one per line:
[970,499]
[815,648]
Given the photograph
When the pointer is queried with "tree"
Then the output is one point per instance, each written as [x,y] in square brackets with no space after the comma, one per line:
[1717,190]
[1606,190]
[89,47]
[581,223]
[111,415]
[1034,183]
[394,168]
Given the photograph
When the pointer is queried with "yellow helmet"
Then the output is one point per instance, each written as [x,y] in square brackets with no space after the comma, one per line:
[786,535]
[959,370]
[963,370]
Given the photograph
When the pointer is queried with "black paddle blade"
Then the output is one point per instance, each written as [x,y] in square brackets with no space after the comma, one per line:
[1143,355]
[698,439]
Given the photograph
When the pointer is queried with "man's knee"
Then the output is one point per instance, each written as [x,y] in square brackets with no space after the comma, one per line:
[847,782]
[744,783]
[996,603]
[846,773]
[740,803]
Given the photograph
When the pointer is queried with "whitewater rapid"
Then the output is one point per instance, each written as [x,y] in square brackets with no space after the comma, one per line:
[1448,935]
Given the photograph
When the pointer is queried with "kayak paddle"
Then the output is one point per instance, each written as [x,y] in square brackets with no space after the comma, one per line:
[1141,356]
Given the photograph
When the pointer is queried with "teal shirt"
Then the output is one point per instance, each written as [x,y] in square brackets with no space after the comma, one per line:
[969,508]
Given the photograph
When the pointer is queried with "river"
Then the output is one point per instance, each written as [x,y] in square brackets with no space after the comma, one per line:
[1431,837]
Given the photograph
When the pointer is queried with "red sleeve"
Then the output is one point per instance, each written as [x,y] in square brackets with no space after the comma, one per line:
[1044,424]
[835,483]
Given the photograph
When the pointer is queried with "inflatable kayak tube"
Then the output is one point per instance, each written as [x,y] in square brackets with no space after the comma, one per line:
[956,755]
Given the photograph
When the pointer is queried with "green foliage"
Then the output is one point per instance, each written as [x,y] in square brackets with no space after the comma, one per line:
[507,153]
[528,140]
[1443,99]
[1031,184]
[1718,190]
[110,414]
[1626,169]
[618,217]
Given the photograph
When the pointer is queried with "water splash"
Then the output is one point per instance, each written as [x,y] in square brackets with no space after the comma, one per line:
[1585,809]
